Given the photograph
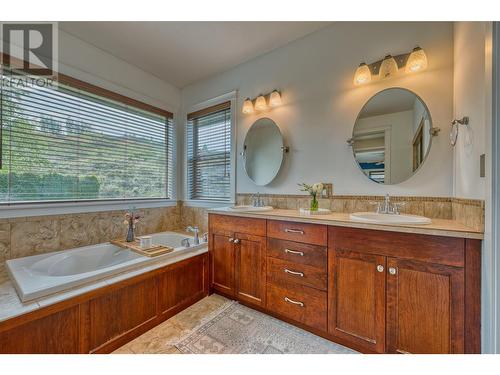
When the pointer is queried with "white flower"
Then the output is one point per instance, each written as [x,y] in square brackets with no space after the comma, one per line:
[317,188]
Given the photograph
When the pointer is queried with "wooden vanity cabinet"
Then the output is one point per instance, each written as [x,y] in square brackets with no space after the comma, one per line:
[375,291]
[237,248]
[403,293]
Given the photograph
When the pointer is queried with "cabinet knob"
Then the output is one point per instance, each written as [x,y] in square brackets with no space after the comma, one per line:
[380,268]
[392,270]
[236,240]
[231,239]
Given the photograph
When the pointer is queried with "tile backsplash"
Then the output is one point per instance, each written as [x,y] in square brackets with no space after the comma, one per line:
[466,211]
[26,236]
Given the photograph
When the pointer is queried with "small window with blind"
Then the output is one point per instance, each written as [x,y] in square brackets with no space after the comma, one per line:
[209,153]
[68,143]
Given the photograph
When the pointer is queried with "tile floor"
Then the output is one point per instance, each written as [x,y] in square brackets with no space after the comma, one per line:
[161,339]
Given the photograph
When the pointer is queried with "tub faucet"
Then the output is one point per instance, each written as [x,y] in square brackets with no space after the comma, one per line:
[195,233]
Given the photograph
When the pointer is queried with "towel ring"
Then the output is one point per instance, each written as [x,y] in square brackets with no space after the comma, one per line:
[454,129]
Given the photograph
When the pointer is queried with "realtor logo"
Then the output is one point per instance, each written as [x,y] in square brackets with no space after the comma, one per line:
[30,47]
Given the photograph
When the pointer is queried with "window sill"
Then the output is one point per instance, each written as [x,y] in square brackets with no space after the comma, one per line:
[62,208]
[207,204]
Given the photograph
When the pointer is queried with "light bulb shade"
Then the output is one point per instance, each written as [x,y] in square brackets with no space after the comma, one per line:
[260,103]
[362,75]
[275,99]
[417,61]
[388,68]
[247,106]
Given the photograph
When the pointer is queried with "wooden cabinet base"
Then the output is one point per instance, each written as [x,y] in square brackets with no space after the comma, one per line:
[105,319]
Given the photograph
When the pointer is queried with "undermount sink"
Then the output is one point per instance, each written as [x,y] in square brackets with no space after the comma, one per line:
[376,218]
[249,208]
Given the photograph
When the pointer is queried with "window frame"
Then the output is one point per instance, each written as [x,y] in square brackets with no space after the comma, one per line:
[42,208]
[228,97]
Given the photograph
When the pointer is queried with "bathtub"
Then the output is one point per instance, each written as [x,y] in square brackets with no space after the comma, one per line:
[41,275]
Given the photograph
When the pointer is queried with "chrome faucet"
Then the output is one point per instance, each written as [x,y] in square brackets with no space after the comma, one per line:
[386,207]
[195,233]
[257,201]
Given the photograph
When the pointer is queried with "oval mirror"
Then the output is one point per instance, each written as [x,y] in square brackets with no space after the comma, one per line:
[392,136]
[263,151]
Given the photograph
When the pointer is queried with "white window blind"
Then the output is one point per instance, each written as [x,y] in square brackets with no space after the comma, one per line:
[68,144]
[209,153]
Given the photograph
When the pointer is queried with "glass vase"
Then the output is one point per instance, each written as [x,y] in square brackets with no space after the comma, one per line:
[314,203]
[130,233]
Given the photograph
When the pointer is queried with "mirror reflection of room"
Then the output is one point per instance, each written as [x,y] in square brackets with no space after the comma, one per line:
[391,136]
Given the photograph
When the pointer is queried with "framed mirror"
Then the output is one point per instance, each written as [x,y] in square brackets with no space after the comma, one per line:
[263,151]
[392,136]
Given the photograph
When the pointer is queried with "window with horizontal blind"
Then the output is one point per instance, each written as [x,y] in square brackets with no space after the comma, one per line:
[70,144]
[209,153]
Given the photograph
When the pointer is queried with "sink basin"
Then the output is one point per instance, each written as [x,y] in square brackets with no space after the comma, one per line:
[376,218]
[249,208]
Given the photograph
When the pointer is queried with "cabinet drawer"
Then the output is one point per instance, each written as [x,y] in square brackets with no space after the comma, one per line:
[231,224]
[282,272]
[300,303]
[297,252]
[300,232]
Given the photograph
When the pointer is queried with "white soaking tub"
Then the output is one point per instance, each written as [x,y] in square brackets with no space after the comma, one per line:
[40,275]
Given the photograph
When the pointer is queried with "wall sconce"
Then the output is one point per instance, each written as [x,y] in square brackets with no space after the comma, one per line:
[412,62]
[261,102]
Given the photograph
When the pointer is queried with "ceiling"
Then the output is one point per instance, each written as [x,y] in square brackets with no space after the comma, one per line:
[182,53]
[389,101]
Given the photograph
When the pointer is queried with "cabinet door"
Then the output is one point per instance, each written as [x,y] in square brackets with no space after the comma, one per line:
[425,308]
[250,268]
[357,298]
[222,263]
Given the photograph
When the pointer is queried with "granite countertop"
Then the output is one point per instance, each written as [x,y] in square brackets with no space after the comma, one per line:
[438,227]
[11,306]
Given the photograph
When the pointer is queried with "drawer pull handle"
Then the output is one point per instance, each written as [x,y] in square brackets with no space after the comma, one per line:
[288,251]
[301,304]
[297,231]
[294,272]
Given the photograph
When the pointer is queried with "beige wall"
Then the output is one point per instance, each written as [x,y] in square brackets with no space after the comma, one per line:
[320,103]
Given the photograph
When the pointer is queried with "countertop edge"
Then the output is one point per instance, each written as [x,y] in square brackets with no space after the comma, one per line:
[317,219]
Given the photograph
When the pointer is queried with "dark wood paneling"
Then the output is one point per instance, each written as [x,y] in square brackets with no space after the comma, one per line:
[121,311]
[222,264]
[225,223]
[282,272]
[425,308]
[357,298]
[301,253]
[183,284]
[250,268]
[52,334]
[472,296]
[312,312]
[433,249]
[314,234]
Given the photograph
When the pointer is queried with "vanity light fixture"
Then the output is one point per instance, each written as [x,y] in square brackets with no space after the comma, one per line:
[389,66]
[416,61]
[262,102]
[275,98]
[362,75]
[247,106]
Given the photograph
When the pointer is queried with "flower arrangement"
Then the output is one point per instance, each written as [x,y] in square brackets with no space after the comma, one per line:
[131,219]
[314,191]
